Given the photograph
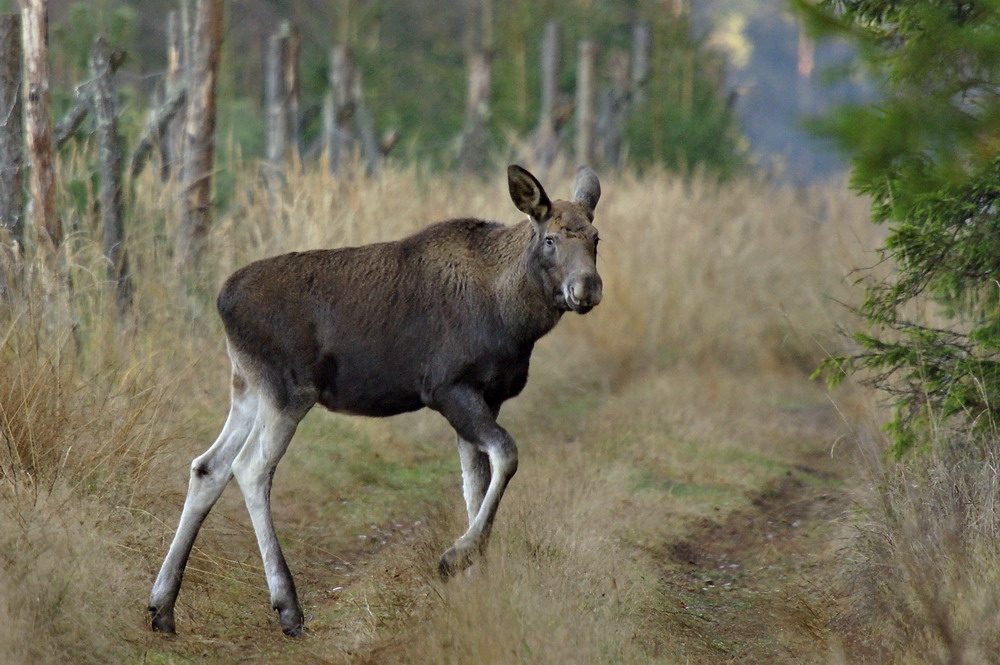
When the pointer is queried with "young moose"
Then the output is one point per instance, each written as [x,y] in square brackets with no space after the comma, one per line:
[445,318]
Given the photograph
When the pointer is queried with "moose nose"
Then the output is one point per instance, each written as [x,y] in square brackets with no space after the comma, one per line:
[585,290]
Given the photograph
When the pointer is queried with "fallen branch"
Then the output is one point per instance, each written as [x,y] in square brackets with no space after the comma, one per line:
[155,128]
[72,120]
[389,141]
[67,126]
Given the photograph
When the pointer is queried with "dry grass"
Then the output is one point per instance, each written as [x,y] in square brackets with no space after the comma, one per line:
[922,580]
[82,420]
[99,418]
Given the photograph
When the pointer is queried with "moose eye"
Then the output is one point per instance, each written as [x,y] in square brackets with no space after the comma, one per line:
[550,241]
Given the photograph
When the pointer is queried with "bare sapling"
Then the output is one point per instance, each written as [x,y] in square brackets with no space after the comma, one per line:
[444,319]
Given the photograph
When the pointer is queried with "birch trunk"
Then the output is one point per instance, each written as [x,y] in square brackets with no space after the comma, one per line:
[339,113]
[547,135]
[293,92]
[585,102]
[615,104]
[199,133]
[276,111]
[642,45]
[168,135]
[474,152]
[38,120]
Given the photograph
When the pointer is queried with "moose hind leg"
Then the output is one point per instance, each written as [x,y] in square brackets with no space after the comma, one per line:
[254,470]
[210,473]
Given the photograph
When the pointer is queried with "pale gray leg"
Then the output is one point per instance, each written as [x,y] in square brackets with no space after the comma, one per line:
[210,472]
[476,424]
[254,470]
[475,476]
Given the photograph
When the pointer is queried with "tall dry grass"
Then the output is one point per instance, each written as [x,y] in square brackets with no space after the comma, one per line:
[921,579]
[99,414]
[83,417]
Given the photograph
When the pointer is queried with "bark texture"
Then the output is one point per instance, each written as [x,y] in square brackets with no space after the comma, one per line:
[38,121]
[11,130]
[110,148]
[199,133]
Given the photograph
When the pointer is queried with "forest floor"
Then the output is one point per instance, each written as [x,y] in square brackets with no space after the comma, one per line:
[722,517]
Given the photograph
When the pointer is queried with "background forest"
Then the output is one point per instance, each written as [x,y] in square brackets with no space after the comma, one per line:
[728,82]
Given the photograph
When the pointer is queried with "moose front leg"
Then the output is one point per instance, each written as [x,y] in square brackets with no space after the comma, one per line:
[475,476]
[475,472]
[482,442]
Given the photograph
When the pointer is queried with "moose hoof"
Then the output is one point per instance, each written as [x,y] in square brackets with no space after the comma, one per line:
[291,620]
[454,561]
[162,622]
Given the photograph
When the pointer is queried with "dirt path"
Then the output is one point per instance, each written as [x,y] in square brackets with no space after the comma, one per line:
[755,585]
[739,580]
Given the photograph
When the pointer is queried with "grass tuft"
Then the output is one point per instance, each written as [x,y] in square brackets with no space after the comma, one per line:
[923,581]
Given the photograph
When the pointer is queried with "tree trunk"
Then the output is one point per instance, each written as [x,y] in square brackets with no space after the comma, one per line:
[473,155]
[547,135]
[156,132]
[366,126]
[328,129]
[339,112]
[806,54]
[69,123]
[199,133]
[293,91]
[38,121]
[109,142]
[169,133]
[11,132]
[642,45]
[585,102]
[614,107]
[11,153]
[275,99]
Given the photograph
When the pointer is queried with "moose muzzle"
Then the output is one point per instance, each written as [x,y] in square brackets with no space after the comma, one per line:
[583,291]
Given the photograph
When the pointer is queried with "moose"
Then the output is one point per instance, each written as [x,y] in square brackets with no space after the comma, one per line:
[445,319]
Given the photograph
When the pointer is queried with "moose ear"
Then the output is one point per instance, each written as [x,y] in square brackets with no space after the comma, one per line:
[527,193]
[587,189]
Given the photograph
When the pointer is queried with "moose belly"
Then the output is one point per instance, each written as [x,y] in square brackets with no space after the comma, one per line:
[359,386]
[382,391]
[383,404]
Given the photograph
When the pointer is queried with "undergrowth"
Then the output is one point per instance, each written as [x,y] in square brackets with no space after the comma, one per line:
[921,578]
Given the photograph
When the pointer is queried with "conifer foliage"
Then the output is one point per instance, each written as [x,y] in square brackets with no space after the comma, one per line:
[927,155]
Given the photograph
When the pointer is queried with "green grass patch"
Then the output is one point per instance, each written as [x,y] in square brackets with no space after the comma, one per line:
[362,472]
